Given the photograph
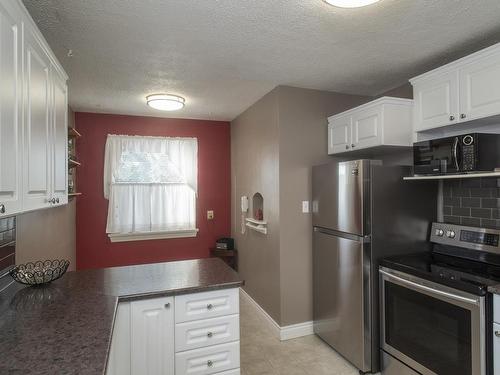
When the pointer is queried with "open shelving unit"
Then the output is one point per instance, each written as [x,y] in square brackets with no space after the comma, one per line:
[73,163]
[454,176]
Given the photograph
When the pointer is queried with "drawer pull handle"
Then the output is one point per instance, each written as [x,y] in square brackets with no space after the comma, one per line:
[167,305]
[210,363]
[2,209]
[210,306]
[497,333]
[209,334]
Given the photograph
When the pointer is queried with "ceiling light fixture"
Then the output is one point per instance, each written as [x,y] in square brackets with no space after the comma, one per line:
[351,3]
[165,102]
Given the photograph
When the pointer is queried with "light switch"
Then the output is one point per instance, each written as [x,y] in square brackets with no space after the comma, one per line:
[210,215]
[305,207]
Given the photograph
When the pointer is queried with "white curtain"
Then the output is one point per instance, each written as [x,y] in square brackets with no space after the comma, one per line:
[151,183]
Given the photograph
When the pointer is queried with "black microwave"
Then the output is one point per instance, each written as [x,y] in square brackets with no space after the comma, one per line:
[474,152]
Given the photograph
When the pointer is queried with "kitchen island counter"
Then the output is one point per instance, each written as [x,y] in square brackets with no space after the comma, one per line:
[65,327]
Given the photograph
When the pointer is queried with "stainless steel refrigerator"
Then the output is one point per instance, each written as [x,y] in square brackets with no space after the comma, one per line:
[362,211]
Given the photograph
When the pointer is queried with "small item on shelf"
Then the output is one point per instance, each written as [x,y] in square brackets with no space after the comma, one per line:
[39,272]
[224,244]
[259,215]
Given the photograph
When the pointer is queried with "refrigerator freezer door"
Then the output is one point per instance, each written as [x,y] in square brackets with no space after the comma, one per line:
[341,196]
[341,291]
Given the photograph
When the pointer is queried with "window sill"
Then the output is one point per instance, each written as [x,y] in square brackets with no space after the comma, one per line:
[143,236]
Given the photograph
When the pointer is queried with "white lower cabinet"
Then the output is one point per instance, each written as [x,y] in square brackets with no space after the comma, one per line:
[496,348]
[159,336]
[152,336]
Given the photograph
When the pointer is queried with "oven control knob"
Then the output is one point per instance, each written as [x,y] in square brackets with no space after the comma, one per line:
[439,232]
[450,234]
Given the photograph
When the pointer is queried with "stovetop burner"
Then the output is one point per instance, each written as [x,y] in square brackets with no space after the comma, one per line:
[464,258]
[469,276]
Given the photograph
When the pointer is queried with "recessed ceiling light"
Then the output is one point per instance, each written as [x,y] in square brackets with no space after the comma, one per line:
[351,3]
[165,102]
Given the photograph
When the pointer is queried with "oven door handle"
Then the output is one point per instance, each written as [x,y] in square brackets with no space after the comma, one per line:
[455,153]
[431,290]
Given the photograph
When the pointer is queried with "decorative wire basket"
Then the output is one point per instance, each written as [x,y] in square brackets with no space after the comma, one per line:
[39,272]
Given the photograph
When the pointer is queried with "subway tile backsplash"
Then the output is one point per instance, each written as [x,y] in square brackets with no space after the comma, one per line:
[474,202]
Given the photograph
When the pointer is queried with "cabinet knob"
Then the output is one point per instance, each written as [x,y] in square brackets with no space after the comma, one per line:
[452,118]
[210,363]
[353,145]
[463,115]
[210,306]
[53,201]
[347,147]
[497,333]
[167,305]
[2,209]
[209,334]
[57,200]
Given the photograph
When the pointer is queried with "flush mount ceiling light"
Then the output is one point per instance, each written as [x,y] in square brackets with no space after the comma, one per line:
[351,3]
[165,102]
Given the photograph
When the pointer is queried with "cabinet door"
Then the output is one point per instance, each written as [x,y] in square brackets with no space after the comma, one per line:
[480,88]
[367,128]
[37,143]
[436,101]
[60,140]
[339,135]
[152,336]
[496,348]
[119,354]
[10,112]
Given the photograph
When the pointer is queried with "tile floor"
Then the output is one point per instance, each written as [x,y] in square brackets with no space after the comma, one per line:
[263,354]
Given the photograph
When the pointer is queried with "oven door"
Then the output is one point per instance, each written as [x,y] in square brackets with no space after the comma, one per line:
[437,156]
[432,328]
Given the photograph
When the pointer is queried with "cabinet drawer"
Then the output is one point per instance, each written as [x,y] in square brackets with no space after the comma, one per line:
[206,305]
[496,308]
[209,360]
[200,333]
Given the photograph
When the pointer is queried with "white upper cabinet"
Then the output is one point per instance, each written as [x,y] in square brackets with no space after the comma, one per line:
[436,101]
[10,111]
[480,88]
[339,134]
[37,129]
[33,116]
[465,90]
[382,122]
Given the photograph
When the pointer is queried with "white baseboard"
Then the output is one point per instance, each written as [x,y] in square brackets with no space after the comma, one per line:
[283,333]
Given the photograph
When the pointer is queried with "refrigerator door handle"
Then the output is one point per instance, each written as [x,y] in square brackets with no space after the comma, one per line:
[348,236]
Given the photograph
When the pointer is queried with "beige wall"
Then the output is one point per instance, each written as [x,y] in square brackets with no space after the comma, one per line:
[48,233]
[303,143]
[255,168]
[273,146]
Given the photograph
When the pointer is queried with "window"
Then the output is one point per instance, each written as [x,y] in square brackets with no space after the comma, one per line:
[151,185]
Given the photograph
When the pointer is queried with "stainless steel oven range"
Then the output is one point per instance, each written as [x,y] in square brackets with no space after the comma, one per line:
[435,306]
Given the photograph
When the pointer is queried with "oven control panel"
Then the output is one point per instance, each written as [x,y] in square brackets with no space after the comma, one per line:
[468,237]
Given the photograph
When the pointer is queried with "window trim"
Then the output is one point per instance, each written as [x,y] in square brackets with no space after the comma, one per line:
[142,236]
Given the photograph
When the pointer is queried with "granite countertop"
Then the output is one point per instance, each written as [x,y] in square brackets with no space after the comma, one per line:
[494,289]
[65,327]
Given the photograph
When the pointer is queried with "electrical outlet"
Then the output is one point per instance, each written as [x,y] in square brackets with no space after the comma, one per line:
[210,215]
[305,207]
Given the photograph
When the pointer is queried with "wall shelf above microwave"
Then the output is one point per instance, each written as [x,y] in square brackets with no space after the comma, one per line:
[454,176]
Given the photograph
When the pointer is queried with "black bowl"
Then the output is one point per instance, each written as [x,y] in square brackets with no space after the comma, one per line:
[40,272]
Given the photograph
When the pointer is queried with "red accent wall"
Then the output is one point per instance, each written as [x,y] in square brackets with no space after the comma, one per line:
[93,247]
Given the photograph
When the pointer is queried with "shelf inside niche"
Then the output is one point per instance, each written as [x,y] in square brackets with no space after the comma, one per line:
[454,176]
[255,221]
[258,228]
